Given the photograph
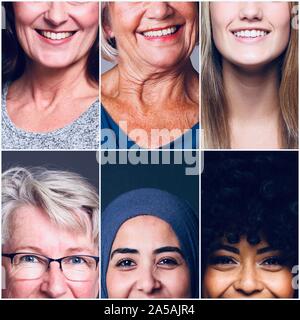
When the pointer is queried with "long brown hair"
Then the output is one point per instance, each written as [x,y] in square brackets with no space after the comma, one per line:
[214,105]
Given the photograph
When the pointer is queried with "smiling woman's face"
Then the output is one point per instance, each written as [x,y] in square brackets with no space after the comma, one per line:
[146,262]
[153,34]
[56,34]
[35,234]
[247,271]
[250,33]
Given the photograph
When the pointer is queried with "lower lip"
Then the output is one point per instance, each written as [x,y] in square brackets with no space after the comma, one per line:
[250,40]
[55,42]
[165,38]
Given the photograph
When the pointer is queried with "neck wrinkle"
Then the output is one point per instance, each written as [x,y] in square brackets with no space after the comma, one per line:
[150,91]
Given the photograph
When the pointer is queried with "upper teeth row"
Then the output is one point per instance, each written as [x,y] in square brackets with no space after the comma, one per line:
[56,35]
[160,33]
[250,33]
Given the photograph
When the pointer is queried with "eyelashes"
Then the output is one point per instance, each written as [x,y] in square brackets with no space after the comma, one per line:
[163,263]
[269,263]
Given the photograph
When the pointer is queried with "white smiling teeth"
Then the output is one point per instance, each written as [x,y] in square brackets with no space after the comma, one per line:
[56,35]
[159,33]
[250,33]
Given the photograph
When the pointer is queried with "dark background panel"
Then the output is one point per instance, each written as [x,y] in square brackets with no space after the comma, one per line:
[83,162]
[120,178]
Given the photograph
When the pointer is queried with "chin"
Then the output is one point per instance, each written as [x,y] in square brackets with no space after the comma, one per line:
[251,63]
[165,63]
[55,63]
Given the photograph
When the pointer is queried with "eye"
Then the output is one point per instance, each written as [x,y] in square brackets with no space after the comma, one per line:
[29,259]
[126,264]
[168,262]
[222,260]
[273,262]
[76,260]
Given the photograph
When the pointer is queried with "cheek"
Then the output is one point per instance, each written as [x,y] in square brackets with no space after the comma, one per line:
[84,289]
[187,10]
[279,283]
[215,283]
[177,282]
[21,289]
[88,18]
[119,284]
[25,13]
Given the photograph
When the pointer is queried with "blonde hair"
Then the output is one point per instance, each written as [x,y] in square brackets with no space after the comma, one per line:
[67,198]
[214,105]
[108,51]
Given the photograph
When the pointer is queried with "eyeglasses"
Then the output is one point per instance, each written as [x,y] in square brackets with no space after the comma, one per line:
[31,266]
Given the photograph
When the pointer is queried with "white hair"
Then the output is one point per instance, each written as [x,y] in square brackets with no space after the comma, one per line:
[108,52]
[66,197]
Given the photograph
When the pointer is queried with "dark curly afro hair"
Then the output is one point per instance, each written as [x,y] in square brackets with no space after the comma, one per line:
[250,194]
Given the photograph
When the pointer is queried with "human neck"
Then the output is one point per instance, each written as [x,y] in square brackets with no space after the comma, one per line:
[48,86]
[150,90]
[251,95]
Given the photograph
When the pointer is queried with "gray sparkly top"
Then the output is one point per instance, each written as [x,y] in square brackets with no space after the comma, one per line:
[83,133]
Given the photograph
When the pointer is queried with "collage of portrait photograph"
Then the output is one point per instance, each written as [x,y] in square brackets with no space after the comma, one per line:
[149,151]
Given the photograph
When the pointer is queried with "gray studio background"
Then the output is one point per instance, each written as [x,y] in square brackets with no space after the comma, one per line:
[105,65]
[120,178]
[82,162]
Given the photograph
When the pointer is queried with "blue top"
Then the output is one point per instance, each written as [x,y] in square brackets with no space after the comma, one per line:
[176,212]
[113,137]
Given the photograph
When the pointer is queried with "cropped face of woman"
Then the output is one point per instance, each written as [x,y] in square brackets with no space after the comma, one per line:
[56,34]
[146,262]
[34,237]
[250,34]
[247,271]
[157,34]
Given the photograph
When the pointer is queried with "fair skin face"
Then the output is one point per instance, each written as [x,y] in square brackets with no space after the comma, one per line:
[247,271]
[33,232]
[54,89]
[153,72]
[250,37]
[146,262]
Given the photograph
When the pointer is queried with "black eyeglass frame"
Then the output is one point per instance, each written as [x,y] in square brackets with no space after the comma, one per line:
[50,260]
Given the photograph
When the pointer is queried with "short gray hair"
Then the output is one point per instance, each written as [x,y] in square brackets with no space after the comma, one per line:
[108,51]
[67,198]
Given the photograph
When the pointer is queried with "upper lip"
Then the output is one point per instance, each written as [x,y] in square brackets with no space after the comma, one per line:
[250,28]
[160,28]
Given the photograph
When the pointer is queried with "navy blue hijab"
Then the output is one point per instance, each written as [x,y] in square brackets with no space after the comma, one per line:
[176,212]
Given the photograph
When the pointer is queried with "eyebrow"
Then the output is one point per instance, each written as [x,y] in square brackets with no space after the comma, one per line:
[168,249]
[69,251]
[227,248]
[124,251]
[265,249]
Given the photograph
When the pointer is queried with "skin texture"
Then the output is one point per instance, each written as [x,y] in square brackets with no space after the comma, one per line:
[247,273]
[271,16]
[34,232]
[152,77]
[253,113]
[54,89]
[56,16]
[146,274]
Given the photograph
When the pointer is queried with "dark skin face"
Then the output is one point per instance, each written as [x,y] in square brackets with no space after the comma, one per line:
[243,270]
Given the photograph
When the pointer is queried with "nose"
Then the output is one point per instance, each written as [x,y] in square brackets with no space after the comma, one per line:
[158,10]
[248,282]
[251,11]
[54,282]
[56,13]
[148,282]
